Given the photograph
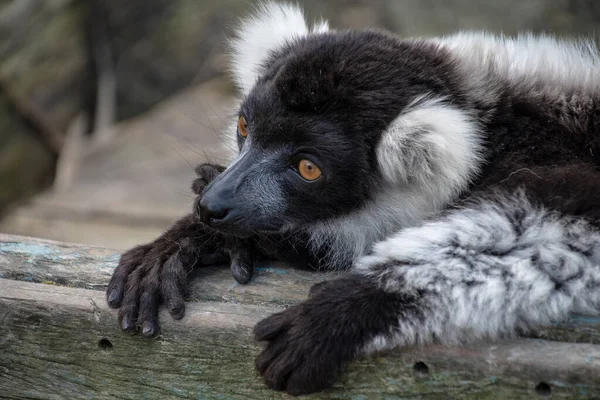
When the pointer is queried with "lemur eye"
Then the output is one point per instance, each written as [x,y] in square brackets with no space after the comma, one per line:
[309,170]
[242,127]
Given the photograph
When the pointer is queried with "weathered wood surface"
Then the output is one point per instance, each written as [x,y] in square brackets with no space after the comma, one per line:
[59,339]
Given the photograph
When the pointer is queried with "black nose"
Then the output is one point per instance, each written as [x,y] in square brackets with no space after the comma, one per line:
[211,213]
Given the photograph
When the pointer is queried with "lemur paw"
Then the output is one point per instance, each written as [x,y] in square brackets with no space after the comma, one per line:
[156,273]
[309,343]
[146,275]
[206,174]
[299,357]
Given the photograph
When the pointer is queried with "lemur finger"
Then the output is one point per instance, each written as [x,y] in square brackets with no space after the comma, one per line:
[270,354]
[129,308]
[272,326]
[206,174]
[209,171]
[127,263]
[278,372]
[149,301]
[242,271]
[172,285]
[198,185]
[316,288]
[304,380]
[242,264]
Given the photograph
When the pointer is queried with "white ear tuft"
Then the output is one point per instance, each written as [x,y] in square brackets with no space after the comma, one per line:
[433,144]
[269,27]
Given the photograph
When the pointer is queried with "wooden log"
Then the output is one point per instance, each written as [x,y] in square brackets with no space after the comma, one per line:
[59,339]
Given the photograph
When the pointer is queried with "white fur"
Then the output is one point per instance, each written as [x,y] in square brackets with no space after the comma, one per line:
[534,65]
[270,27]
[349,237]
[486,271]
[433,145]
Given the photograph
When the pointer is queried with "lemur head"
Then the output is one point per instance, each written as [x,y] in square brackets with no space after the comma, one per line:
[317,127]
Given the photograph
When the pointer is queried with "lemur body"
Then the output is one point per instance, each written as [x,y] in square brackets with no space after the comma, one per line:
[457,178]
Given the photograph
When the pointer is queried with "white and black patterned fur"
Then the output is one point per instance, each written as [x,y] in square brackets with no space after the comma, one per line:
[460,186]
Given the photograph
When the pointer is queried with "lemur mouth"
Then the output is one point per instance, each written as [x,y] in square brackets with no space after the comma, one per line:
[222,220]
[227,228]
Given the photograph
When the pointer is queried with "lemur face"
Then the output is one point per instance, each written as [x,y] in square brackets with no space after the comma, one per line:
[311,129]
[295,166]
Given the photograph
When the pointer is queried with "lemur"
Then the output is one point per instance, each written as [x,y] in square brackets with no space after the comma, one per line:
[455,179]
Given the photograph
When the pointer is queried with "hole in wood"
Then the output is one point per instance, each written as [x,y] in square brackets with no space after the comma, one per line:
[543,389]
[421,368]
[104,344]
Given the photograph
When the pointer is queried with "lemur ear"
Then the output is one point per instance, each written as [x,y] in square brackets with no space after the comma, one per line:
[432,143]
[269,27]
[308,84]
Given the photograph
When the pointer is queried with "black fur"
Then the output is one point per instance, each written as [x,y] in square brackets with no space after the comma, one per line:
[302,357]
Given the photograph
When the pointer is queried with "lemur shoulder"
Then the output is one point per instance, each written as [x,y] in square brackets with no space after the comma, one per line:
[455,179]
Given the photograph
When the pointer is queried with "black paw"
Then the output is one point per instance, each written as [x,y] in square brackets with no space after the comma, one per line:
[300,357]
[144,276]
[156,273]
[308,344]
[206,174]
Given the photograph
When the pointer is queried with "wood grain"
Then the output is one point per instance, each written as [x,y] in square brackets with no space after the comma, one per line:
[59,339]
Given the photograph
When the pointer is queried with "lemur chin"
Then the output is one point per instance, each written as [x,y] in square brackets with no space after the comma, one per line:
[455,178]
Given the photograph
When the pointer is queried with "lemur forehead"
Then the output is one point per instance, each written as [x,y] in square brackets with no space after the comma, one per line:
[272,123]
[303,71]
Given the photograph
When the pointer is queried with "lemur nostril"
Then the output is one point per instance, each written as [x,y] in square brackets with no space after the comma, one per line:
[218,214]
[210,213]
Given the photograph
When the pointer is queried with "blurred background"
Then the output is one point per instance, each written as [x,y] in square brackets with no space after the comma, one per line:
[106,105]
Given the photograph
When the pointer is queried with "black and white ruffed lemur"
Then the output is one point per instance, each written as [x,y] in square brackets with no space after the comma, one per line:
[456,179]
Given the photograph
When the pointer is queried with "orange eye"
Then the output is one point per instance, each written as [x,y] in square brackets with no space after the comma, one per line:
[309,170]
[242,127]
